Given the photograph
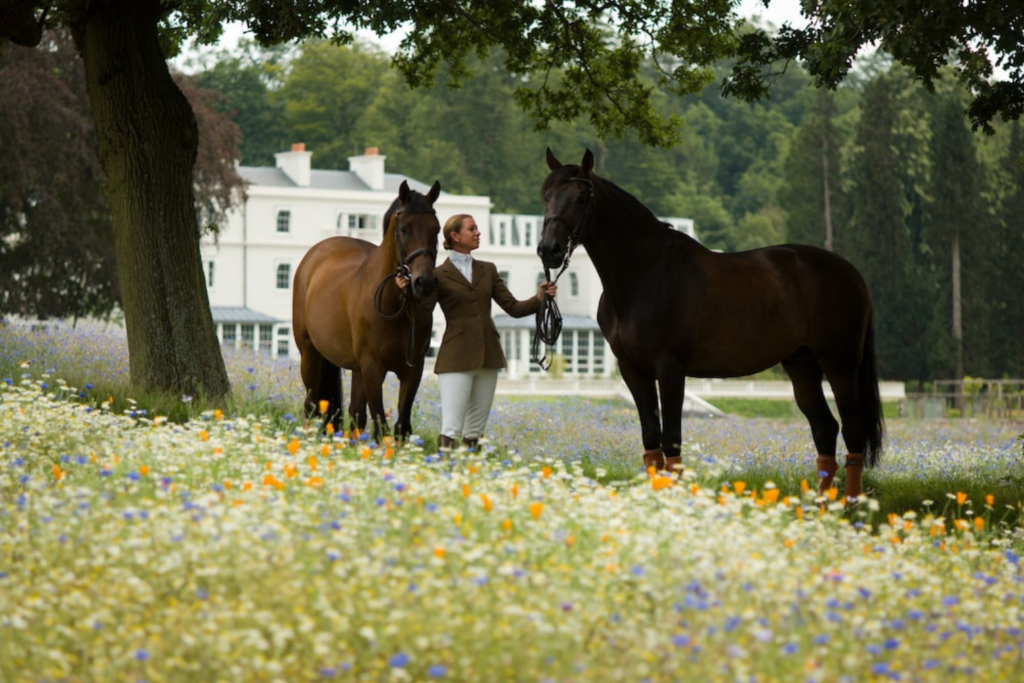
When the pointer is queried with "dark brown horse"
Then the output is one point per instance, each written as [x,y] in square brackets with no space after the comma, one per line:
[672,308]
[347,312]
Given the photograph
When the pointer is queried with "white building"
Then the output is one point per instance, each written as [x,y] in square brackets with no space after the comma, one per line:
[251,262]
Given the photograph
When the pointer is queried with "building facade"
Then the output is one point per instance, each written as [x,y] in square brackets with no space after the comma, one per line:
[250,263]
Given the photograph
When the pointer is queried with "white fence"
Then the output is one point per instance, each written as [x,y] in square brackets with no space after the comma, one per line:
[706,389]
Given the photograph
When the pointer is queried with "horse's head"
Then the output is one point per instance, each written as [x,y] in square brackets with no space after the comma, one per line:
[568,197]
[414,224]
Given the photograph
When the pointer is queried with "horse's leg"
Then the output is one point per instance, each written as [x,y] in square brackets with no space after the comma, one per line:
[672,387]
[357,402]
[805,373]
[409,385]
[373,388]
[330,391]
[309,368]
[645,396]
[842,375]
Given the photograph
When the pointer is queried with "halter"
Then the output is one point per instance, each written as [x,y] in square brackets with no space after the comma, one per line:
[549,318]
[403,270]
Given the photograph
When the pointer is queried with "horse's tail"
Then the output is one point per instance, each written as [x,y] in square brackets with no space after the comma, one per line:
[870,401]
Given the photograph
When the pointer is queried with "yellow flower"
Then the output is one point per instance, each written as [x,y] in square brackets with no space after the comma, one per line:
[990,500]
[293,446]
[487,502]
[545,471]
[439,552]
[536,508]
[324,405]
[204,435]
[218,414]
[738,487]
[961,498]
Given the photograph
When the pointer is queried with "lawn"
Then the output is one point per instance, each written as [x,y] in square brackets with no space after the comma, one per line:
[240,543]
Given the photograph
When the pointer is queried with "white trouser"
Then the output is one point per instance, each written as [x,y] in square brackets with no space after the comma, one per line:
[466,399]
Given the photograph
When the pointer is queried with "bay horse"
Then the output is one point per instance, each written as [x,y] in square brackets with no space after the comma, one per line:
[347,312]
[672,308]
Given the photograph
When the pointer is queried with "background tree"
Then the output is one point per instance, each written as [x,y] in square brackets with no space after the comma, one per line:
[56,244]
[955,227]
[248,83]
[1005,282]
[884,192]
[924,36]
[811,193]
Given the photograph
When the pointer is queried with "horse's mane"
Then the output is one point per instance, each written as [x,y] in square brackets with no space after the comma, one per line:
[417,203]
[637,210]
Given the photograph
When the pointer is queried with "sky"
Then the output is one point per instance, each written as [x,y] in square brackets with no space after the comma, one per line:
[778,12]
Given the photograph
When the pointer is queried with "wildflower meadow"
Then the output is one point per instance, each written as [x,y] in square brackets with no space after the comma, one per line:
[243,543]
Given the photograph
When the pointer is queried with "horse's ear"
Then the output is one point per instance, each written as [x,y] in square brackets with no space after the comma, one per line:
[403,192]
[587,165]
[553,163]
[435,191]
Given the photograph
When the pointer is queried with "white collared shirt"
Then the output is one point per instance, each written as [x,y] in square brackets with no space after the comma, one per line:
[464,264]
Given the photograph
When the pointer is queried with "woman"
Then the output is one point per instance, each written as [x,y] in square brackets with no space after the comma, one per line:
[470,355]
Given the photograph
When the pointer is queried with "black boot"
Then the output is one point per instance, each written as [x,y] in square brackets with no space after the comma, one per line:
[470,444]
[445,443]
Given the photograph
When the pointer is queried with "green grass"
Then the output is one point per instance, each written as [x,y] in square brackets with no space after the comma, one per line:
[781,409]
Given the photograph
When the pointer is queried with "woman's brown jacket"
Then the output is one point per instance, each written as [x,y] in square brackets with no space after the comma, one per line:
[470,339]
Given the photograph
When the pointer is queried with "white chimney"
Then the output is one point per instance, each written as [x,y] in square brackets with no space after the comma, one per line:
[369,167]
[295,164]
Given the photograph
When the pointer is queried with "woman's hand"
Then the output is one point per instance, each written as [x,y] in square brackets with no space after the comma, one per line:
[547,288]
[402,282]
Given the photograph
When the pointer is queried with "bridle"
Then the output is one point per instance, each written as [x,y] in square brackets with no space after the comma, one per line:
[549,318]
[403,269]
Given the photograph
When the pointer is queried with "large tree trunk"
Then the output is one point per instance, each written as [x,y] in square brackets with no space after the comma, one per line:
[147,138]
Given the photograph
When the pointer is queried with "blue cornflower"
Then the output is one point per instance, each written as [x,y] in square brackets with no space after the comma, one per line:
[437,670]
[142,655]
[399,660]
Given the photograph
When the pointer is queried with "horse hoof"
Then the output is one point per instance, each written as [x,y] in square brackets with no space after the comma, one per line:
[654,458]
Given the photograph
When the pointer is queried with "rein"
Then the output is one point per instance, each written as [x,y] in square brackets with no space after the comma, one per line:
[406,305]
[549,318]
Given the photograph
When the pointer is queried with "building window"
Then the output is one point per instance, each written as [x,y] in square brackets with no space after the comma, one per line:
[284,220]
[598,354]
[541,279]
[501,233]
[583,352]
[503,274]
[247,337]
[515,234]
[229,334]
[266,332]
[527,233]
[358,222]
[490,234]
[282,341]
[574,284]
[568,351]
[339,224]
[209,273]
[284,276]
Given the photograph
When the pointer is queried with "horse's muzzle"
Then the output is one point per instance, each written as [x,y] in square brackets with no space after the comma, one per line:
[423,285]
[551,253]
